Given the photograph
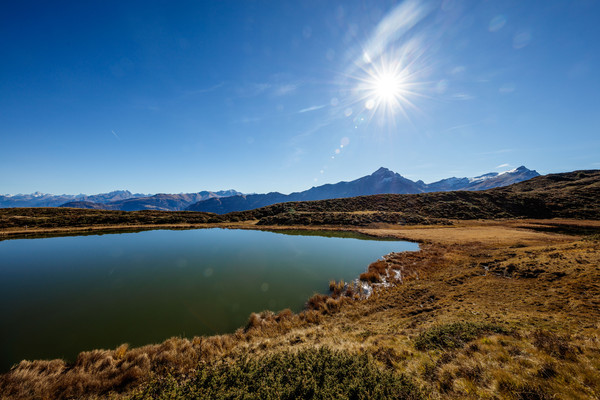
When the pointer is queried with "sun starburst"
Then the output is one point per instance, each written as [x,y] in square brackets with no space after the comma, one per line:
[390,71]
[385,88]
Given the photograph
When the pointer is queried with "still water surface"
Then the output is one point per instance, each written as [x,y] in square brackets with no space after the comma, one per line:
[60,296]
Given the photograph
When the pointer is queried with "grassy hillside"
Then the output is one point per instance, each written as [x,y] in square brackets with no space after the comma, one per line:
[55,217]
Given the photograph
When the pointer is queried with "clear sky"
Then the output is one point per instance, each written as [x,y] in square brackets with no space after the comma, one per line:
[259,96]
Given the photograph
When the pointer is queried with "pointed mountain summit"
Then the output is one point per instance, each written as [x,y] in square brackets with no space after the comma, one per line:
[379,182]
[382,171]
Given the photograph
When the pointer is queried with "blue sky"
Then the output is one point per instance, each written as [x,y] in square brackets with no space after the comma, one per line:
[264,96]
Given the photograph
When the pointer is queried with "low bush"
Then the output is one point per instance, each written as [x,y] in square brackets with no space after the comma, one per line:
[309,374]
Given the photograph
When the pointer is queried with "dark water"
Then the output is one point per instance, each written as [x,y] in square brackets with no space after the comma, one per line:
[60,296]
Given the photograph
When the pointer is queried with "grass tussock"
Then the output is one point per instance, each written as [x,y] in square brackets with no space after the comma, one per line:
[269,323]
[376,272]
[509,367]
[553,344]
[317,301]
[379,266]
[327,304]
[454,335]
[372,277]
[315,373]
[336,289]
[519,390]
[102,371]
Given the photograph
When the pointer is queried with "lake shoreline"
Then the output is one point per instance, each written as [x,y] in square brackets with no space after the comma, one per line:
[417,233]
[21,233]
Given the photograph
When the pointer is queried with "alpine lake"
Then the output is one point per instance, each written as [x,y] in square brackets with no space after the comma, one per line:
[63,295]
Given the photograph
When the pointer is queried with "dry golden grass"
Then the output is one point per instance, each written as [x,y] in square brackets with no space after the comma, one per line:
[539,290]
[496,233]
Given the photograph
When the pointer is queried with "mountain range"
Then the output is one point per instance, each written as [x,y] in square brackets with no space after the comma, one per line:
[118,200]
[38,199]
[160,202]
[382,181]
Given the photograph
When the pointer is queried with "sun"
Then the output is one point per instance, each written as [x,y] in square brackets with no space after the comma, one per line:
[386,88]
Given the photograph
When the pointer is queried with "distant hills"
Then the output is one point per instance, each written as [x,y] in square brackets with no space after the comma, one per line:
[118,200]
[382,181]
[159,202]
[38,199]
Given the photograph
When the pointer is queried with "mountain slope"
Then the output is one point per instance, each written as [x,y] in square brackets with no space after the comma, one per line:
[382,181]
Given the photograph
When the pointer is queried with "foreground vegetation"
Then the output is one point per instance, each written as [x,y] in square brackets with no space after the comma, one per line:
[314,373]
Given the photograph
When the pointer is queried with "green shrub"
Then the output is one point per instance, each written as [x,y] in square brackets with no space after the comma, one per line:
[308,374]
